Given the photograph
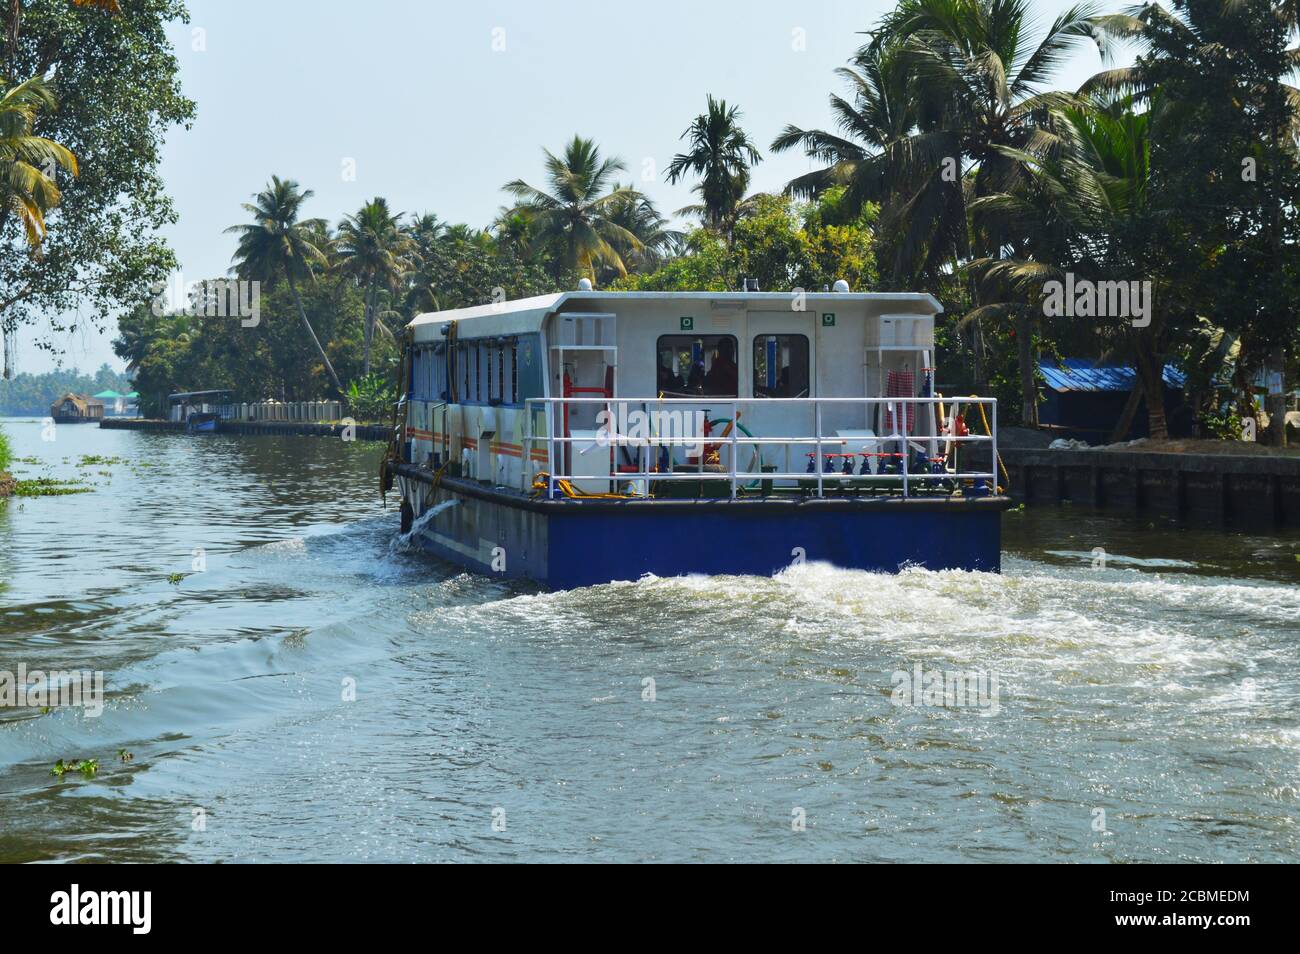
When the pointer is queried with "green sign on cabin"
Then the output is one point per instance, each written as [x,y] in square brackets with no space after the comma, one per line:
[688,324]
[828,319]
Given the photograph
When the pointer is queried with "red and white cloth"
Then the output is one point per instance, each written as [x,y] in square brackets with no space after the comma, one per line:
[900,384]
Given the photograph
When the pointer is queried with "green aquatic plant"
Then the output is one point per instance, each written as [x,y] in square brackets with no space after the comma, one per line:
[92,460]
[175,578]
[87,767]
[49,487]
[124,755]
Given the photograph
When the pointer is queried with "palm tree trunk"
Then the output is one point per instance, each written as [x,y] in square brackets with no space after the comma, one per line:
[1126,416]
[302,314]
[1150,372]
[369,333]
[1028,387]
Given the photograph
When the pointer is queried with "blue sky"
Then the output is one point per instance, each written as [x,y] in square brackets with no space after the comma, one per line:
[440,103]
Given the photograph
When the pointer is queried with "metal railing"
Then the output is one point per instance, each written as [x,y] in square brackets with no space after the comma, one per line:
[305,411]
[895,446]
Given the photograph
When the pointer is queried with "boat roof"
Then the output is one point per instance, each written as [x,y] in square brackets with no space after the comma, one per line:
[186,395]
[527,314]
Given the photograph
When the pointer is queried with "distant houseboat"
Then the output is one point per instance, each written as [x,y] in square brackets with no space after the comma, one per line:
[582,437]
[77,409]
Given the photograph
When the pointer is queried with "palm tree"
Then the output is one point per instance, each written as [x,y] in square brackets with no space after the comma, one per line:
[637,213]
[513,229]
[574,216]
[721,153]
[1087,207]
[941,88]
[426,233]
[277,243]
[1218,79]
[374,249]
[744,209]
[27,162]
[27,186]
[878,155]
[425,229]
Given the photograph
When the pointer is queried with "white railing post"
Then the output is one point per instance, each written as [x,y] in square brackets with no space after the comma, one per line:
[735,426]
[550,450]
[900,428]
[993,432]
[817,461]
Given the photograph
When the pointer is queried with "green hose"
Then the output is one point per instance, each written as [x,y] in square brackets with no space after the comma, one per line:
[746,431]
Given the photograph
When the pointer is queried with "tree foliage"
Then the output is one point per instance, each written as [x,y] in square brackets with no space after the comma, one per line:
[118,94]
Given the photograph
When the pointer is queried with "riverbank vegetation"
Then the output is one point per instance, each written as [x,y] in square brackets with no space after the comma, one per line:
[30,395]
[7,482]
[957,164]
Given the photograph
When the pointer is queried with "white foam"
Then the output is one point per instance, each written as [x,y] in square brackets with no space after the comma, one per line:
[406,540]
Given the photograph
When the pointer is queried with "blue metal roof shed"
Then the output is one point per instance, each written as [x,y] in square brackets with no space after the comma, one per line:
[1082,374]
[1085,399]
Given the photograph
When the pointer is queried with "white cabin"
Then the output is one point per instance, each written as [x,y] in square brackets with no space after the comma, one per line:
[475,376]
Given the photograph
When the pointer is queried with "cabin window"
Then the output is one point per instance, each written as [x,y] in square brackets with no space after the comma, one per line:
[429,373]
[514,370]
[780,366]
[501,371]
[418,360]
[438,372]
[697,365]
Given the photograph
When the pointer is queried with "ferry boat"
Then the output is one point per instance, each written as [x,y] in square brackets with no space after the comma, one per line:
[198,410]
[586,436]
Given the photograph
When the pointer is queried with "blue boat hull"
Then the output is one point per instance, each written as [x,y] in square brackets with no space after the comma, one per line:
[565,544]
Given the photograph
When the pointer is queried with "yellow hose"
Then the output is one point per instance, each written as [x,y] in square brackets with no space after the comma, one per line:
[989,431]
[541,483]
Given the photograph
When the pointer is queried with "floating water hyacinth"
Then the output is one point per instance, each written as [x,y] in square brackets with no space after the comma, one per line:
[87,767]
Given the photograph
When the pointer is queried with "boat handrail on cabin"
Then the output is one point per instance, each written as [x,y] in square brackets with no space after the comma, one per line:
[706,395]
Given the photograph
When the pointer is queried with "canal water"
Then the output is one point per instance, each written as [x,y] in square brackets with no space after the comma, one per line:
[293,684]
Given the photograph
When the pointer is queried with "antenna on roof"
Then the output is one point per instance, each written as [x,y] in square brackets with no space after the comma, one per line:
[749,284]
[841,285]
[584,284]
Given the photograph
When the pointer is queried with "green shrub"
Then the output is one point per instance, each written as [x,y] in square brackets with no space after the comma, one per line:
[371,398]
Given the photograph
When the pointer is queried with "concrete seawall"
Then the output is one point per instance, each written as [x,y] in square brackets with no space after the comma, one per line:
[361,432]
[1263,490]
